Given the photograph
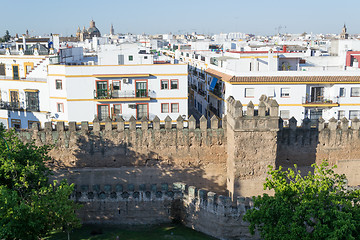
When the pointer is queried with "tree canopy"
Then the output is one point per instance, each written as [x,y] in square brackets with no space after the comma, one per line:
[316,206]
[30,206]
[7,36]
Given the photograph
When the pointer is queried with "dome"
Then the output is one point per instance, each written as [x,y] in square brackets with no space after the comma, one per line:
[93,30]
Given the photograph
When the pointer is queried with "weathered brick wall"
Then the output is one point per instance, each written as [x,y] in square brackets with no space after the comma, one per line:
[252,146]
[204,211]
[137,153]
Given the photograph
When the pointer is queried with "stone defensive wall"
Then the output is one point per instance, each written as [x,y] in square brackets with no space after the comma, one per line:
[204,211]
[232,159]
[137,151]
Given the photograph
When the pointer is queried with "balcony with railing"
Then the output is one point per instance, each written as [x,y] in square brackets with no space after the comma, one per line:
[214,110]
[318,101]
[201,92]
[19,106]
[113,94]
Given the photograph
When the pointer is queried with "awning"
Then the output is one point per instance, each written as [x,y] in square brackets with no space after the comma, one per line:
[213,83]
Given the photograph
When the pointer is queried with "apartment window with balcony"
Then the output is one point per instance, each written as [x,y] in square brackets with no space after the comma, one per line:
[103,111]
[14,98]
[164,108]
[174,107]
[101,89]
[141,88]
[355,92]
[174,84]
[342,92]
[32,101]
[249,92]
[164,84]
[58,84]
[353,114]
[115,89]
[285,114]
[285,92]
[341,114]
[59,107]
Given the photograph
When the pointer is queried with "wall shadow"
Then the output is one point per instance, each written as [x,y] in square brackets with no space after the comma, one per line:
[109,158]
[297,146]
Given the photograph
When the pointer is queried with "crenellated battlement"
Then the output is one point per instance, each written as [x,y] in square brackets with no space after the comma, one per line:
[265,118]
[149,204]
[209,201]
[121,125]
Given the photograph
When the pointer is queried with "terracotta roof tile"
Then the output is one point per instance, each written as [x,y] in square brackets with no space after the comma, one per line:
[295,79]
[219,75]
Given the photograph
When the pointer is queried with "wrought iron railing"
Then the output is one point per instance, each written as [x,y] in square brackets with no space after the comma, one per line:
[108,94]
[319,99]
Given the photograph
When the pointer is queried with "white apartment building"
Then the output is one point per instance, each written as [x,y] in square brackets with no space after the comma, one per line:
[67,87]
[23,89]
[80,93]
[303,86]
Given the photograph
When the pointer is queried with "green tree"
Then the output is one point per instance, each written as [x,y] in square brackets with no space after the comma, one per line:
[316,206]
[7,36]
[30,207]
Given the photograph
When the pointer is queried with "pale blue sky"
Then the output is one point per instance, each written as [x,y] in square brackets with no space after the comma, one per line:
[159,16]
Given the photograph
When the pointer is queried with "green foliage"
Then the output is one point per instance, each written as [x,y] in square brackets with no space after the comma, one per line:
[7,36]
[316,206]
[30,207]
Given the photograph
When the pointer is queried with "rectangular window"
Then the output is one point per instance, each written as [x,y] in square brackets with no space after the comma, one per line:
[30,123]
[341,114]
[131,57]
[60,107]
[116,110]
[353,114]
[164,84]
[15,69]
[174,84]
[200,108]
[116,85]
[342,92]
[141,111]
[32,101]
[141,89]
[285,114]
[58,84]
[174,107]
[115,89]
[103,112]
[249,92]
[271,92]
[164,107]
[355,92]
[16,123]
[14,99]
[101,89]
[2,69]
[285,92]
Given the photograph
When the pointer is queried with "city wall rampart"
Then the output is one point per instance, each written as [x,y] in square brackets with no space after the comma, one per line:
[232,158]
[137,152]
[204,211]
[230,161]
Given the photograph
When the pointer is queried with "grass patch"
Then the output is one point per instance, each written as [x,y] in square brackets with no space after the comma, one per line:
[109,232]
